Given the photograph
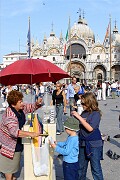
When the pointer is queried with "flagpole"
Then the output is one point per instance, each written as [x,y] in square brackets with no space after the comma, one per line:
[110,50]
[70,47]
[29,40]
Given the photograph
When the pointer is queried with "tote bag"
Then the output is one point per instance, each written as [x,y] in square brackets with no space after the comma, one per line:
[40,158]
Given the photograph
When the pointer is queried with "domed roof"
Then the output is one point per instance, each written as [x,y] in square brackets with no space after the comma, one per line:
[115,37]
[82,30]
[53,39]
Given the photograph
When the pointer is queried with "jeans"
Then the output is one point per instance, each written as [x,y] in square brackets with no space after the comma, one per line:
[59,113]
[70,170]
[71,103]
[118,93]
[94,163]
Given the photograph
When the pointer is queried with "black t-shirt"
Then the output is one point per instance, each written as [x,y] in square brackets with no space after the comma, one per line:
[57,99]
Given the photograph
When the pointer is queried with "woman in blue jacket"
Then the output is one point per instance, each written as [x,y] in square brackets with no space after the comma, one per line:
[90,141]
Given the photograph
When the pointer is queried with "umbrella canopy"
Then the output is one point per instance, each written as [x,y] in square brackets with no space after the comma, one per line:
[30,71]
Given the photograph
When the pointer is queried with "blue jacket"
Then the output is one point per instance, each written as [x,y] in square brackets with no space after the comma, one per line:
[94,136]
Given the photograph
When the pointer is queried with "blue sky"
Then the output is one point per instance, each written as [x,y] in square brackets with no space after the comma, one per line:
[14,19]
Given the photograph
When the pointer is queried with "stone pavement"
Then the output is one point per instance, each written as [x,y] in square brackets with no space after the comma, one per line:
[109,126]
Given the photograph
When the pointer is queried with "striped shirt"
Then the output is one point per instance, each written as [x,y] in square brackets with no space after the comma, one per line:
[9,130]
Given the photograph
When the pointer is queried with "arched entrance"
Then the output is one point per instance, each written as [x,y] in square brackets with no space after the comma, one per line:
[99,76]
[76,50]
[77,70]
[115,72]
[99,73]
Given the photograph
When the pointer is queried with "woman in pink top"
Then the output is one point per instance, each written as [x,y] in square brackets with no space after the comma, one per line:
[11,132]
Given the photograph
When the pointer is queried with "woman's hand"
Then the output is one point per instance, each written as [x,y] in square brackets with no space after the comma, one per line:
[39,102]
[74,113]
[34,134]
[22,134]
[82,121]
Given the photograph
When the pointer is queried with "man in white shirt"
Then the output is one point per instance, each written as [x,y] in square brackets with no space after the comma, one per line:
[42,89]
[103,91]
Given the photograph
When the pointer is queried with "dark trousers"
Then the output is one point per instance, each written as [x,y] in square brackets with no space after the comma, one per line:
[70,171]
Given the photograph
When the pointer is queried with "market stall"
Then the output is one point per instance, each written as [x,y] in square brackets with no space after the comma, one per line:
[30,71]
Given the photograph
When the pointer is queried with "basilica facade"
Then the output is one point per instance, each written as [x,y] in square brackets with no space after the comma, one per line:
[80,54]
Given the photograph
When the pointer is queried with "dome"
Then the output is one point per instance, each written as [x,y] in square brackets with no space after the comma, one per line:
[53,39]
[115,37]
[82,30]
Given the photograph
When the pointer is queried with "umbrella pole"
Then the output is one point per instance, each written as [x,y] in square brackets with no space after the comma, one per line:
[31,89]
[31,97]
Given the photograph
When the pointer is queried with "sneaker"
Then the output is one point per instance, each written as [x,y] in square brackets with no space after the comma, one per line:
[58,133]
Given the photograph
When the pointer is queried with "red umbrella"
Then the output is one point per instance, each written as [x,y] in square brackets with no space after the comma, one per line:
[30,71]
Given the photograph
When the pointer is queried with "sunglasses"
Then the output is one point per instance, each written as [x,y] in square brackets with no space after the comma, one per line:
[82,103]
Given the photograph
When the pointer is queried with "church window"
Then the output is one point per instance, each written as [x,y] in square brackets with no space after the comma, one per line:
[53,58]
[115,56]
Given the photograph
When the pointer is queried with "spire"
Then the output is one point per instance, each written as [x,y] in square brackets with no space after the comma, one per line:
[52,27]
[52,33]
[115,30]
[83,14]
[79,11]
[98,39]
[61,36]
[81,20]
[45,38]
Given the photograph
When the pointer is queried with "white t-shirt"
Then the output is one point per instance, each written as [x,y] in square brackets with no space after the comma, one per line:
[79,106]
[42,89]
[113,85]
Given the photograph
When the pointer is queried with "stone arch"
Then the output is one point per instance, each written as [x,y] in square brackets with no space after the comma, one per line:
[76,50]
[53,51]
[99,72]
[98,49]
[37,52]
[77,70]
[115,72]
